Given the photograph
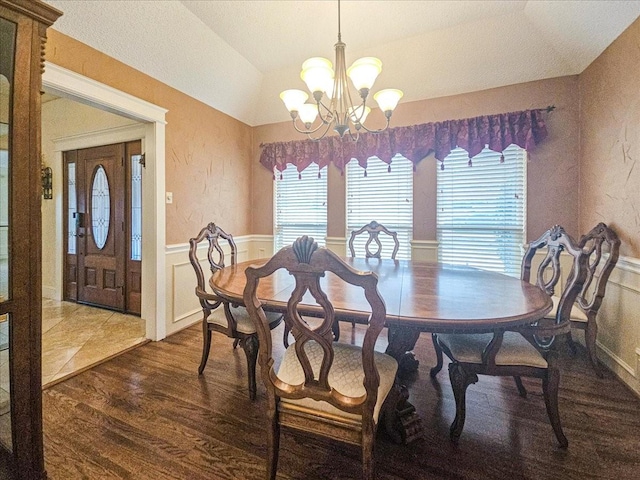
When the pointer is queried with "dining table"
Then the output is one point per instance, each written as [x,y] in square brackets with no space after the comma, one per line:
[420,296]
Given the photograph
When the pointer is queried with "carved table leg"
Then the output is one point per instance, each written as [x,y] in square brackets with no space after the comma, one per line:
[401,341]
[399,417]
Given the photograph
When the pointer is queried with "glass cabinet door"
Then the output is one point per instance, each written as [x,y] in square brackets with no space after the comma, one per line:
[23,27]
[7,40]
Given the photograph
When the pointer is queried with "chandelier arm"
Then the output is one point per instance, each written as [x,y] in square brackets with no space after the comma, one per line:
[380,130]
[328,116]
[307,131]
[363,107]
[315,139]
[354,138]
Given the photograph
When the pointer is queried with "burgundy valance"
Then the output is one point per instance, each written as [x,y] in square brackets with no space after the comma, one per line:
[414,142]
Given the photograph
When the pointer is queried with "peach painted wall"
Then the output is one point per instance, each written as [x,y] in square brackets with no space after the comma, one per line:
[610,140]
[208,153]
[552,169]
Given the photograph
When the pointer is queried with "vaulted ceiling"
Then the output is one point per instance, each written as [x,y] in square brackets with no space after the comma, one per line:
[237,56]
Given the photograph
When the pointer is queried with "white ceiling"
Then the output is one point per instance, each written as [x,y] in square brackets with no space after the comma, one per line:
[237,56]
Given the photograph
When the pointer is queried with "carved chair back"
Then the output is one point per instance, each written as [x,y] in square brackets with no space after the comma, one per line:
[308,264]
[601,239]
[211,234]
[552,243]
[373,229]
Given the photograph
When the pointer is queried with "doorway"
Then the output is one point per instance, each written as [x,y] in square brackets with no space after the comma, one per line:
[62,82]
[102,205]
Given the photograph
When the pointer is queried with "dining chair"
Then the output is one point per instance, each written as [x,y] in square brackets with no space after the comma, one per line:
[318,385]
[373,229]
[529,351]
[600,240]
[230,320]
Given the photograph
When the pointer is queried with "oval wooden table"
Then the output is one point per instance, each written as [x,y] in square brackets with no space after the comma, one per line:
[419,296]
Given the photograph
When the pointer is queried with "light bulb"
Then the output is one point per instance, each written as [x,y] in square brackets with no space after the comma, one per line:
[388,99]
[364,71]
[308,113]
[317,73]
[293,99]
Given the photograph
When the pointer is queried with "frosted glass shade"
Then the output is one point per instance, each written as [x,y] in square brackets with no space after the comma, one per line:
[355,112]
[388,99]
[293,99]
[317,73]
[308,112]
[364,71]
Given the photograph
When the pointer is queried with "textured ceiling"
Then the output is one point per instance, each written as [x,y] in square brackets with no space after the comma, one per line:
[238,55]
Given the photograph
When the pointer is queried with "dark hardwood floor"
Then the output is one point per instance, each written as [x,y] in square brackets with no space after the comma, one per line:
[147,415]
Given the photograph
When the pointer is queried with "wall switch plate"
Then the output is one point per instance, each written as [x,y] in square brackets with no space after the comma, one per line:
[169,196]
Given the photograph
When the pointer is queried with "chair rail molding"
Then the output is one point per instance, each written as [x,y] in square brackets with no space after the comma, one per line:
[337,245]
[72,85]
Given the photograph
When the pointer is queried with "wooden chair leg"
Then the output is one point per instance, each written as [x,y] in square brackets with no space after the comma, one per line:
[368,461]
[590,335]
[436,346]
[550,385]
[571,344]
[335,328]
[460,380]
[273,438]
[285,336]
[250,346]
[521,390]
[206,345]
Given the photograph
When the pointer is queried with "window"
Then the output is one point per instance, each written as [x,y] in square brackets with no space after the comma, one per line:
[300,206]
[384,196]
[482,210]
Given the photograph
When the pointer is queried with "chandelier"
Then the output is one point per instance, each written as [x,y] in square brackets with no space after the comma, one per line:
[327,85]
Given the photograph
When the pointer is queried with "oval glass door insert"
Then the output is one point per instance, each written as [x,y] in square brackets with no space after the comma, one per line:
[100,207]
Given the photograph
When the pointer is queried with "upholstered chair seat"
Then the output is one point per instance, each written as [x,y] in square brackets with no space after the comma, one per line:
[244,324]
[515,349]
[346,375]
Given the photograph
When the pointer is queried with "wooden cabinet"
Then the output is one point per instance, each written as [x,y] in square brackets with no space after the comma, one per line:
[23,25]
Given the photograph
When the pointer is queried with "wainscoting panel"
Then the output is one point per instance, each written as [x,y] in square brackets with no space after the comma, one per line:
[619,323]
[183,307]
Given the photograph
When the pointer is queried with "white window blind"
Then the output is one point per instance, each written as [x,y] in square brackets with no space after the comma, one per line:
[384,196]
[300,206]
[482,210]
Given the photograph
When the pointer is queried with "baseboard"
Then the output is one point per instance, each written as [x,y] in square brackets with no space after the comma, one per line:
[620,368]
[50,292]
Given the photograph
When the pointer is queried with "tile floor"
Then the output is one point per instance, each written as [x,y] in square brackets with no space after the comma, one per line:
[76,337]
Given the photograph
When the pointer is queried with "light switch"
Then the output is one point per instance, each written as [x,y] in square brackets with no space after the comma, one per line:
[169,197]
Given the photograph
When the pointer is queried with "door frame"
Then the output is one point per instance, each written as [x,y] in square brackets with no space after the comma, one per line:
[151,131]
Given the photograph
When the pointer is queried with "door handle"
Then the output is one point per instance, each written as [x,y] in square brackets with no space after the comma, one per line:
[79,219]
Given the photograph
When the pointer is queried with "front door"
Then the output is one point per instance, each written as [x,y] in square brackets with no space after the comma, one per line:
[100,267]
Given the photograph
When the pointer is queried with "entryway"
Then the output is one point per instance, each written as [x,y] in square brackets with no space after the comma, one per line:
[77,337]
